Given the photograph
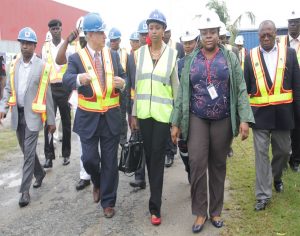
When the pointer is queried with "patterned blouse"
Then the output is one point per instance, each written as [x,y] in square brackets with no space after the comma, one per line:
[210,73]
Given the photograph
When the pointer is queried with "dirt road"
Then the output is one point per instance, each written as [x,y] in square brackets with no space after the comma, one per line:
[58,209]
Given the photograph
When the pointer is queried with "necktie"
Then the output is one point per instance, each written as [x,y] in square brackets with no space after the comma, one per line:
[99,69]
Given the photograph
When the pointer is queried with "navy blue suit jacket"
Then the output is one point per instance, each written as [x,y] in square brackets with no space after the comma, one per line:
[86,123]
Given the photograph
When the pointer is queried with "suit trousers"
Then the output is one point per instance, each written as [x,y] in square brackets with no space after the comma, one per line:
[281,143]
[28,141]
[295,139]
[208,145]
[103,168]
[124,124]
[155,135]
[60,99]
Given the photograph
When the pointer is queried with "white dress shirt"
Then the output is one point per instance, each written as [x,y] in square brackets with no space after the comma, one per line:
[271,60]
[22,80]
[294,43]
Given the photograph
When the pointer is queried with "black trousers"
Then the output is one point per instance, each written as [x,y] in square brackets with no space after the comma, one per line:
[295,138]
[60,99]
[155,135]
[103,167]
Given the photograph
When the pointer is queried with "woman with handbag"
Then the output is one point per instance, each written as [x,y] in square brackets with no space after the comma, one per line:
[156,88]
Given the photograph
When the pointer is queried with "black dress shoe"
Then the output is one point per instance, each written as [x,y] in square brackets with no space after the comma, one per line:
[48,163]
[66,161]
[217,223]
[82,184]
[295,167]
[261,204]
[24,199]
[278,185]
[38,182]
[138,184]
[198,228]
[169,161]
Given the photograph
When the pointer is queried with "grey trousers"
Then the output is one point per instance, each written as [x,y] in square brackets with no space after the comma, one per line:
[28,142]
[208,145]
[281,145]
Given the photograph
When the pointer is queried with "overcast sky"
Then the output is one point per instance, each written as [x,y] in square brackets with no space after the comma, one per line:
[126,14]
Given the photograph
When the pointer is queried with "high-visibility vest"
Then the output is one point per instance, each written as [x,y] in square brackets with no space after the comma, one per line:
[242,55]
[102,99]
[277,94]
[283,39]
[153,90]
[39,103]
[56,75]
[123,58]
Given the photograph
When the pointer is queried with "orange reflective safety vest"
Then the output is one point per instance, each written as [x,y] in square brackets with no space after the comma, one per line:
[56,75]
[277,94]
[39,103]
[102,100]
[242,57]
[123,58]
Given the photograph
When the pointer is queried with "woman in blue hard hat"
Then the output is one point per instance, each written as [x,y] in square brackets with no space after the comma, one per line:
[156,88]
[212,106]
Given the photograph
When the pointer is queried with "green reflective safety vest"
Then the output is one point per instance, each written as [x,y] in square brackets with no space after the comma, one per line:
[277,94]
[103,99]
[56,75]
[153,89]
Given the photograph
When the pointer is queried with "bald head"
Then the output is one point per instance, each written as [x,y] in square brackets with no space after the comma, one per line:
[267,34]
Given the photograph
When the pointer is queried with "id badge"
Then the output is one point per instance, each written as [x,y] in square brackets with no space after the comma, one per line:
[212,91]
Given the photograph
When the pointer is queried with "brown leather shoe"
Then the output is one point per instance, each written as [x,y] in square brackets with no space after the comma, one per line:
[109,212]
[96,194]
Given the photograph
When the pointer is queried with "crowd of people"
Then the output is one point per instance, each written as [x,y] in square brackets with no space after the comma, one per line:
[197,94]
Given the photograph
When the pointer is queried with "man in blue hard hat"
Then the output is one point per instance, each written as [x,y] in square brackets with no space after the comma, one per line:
[115,40]
[27,94]
[98,76]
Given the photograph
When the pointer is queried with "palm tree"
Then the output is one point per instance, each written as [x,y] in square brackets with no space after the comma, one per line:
[222,11]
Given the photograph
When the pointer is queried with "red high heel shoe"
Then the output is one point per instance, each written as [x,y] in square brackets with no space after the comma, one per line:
[155,220]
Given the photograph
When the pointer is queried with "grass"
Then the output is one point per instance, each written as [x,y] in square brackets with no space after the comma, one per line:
[281,217]
[8,141]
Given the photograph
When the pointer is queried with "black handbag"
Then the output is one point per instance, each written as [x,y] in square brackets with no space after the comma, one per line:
[132,154]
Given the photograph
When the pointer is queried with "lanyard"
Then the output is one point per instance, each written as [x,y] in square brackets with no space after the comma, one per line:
[208,64]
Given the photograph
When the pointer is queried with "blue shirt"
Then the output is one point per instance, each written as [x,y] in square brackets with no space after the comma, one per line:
[201,103]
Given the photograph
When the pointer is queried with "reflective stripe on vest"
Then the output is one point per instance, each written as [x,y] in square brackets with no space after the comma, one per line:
[276,95]
[283,39]
[153,89]
[101,100]
[243,55]
[12,101]
[39,103]
[123,58]
[56,75]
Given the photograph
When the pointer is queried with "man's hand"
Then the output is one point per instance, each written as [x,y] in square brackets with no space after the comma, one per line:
[119,82]
[2,116]
[244,130]
[175,132]
[51,129]
[85,79]
[134,123]
[74,34]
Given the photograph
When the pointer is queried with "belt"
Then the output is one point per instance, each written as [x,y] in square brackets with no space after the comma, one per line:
[56,85]
[21,109]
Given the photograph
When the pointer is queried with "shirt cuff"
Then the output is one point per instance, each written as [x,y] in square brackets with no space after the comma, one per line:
[78,82]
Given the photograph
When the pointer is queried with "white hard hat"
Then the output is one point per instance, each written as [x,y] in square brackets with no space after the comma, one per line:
[48,37]
[239,40]
[294,16]
[223,29]
[208,20]
[189,35]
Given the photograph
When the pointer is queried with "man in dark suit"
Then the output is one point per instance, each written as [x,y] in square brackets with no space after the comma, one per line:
[272,77]
[96,72]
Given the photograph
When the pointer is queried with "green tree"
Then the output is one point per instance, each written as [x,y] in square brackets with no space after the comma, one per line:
[221,9]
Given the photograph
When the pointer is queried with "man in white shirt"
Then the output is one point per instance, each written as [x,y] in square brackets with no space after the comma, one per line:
[59,93]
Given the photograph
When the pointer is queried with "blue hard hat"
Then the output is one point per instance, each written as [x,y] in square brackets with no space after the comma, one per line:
[27,34]
[157,16]
[134,36]
[143,27]
[92,22]
[114,33]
